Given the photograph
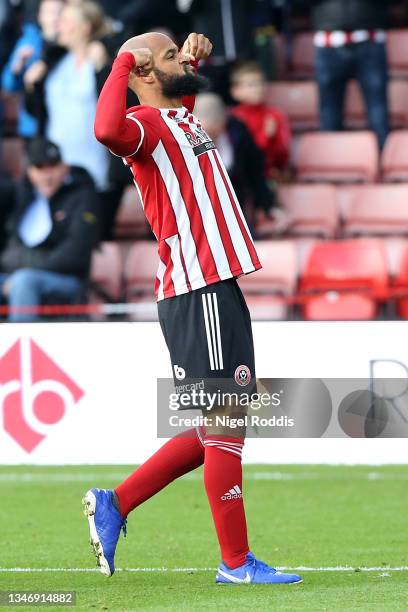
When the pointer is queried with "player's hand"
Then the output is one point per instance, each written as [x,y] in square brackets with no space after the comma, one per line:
[197,47]
[144,60]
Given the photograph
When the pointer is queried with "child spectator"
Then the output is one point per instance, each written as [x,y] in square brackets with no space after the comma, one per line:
[269,126]
[242,159]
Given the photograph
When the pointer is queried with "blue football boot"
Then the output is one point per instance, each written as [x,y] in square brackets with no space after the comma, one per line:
[105,523]
[254,572]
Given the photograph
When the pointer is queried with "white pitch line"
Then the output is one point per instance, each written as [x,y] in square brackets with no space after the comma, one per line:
[55,478]
[87,477]
[301,568]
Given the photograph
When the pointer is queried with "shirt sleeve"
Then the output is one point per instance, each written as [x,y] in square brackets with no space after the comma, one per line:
[123,134]
[121,131]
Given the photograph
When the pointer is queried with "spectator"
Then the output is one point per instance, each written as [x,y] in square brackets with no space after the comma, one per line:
[269,126]
[26,52]
[63,95]
[140,16]
[10,14]
[227,24]
[269,17]
[242,159]
[52,231]
[6,202]
[350,44]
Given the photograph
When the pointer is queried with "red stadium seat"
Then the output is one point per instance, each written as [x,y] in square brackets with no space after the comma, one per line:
[395,249]
[303,52]
[397,52]
[378,209]
[278,276]
[304,246]
[394,161]
[398,103]
[337,157]
[401,281]
[340,276]
[130,221]
[313,209]
[298,100]
[345,196]
[356,115]
[335,307]
[106,272]
[12,156]
[140,272]
[279,56]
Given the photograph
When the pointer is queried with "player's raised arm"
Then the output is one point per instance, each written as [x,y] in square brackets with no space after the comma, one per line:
[197,47]
[120,134]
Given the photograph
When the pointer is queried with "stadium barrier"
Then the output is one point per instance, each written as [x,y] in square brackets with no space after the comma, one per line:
[85,393]
[395,291]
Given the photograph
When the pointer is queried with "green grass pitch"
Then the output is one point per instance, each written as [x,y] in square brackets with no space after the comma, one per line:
[336,521]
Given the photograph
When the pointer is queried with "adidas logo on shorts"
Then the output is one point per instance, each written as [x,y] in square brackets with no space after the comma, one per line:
[234,493]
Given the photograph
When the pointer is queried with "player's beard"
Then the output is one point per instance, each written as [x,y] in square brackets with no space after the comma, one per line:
[177,86]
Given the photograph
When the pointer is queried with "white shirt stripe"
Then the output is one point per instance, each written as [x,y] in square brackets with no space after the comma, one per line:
[241,214]
[160,275]
[177,274]
[142,133]
[139,192]
[183,222]
[239,243]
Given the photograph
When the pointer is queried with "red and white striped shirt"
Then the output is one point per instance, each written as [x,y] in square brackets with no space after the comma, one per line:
[187,198]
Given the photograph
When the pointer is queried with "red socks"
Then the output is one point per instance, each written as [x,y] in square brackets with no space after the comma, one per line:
[223,483]
[222,480]
[178,456]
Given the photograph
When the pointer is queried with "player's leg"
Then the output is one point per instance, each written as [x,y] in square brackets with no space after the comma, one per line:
[224,487]
[107,510]
[177,457]
[232,350]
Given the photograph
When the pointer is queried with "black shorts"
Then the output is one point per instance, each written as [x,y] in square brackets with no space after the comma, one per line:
[208,333]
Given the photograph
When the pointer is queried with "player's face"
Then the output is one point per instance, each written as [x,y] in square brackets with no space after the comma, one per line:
[47,179]
[174,74]
[170,60]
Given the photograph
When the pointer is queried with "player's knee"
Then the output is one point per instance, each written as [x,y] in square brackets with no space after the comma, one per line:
[226,421]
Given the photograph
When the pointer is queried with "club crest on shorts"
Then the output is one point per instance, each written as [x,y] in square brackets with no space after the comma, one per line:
[242,375]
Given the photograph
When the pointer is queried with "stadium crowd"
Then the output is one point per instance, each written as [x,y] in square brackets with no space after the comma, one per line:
[329,209]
